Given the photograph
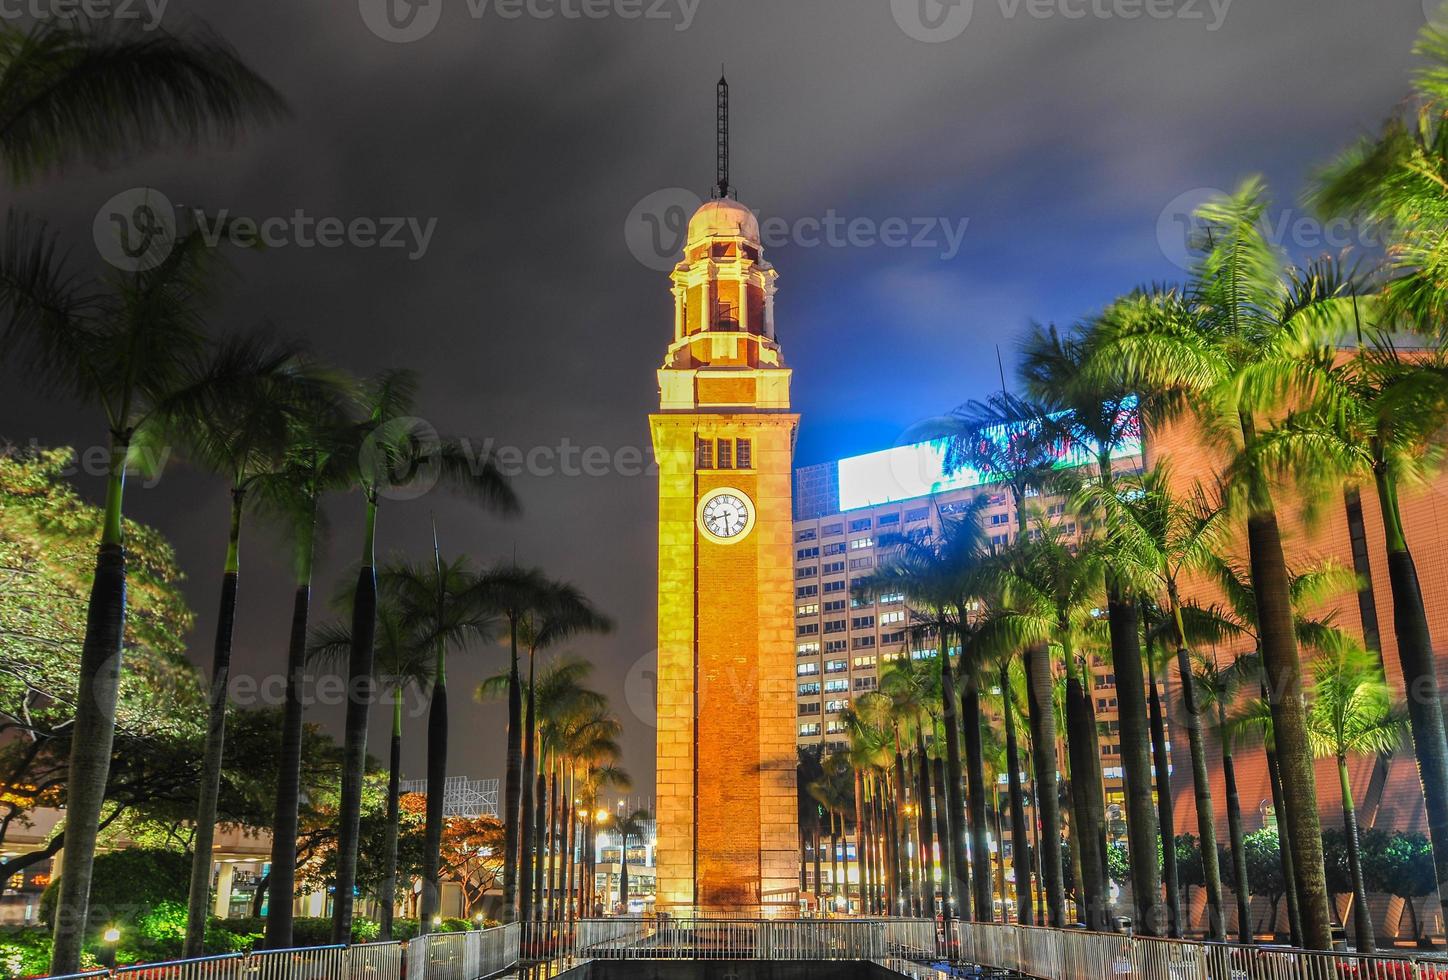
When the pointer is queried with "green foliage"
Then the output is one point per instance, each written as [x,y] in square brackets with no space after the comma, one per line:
[1118,862]
[24,953]
[1336,861]
[129,885]
[1190,870]
[48,536]
[164,925]
[1264,862]
[1398,864]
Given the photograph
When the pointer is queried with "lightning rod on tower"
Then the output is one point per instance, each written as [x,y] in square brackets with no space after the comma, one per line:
[721,132]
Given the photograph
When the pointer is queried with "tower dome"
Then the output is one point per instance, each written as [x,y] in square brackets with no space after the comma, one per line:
[723,217]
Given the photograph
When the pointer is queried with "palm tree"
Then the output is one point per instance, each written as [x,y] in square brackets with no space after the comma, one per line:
[441,601]
[403,659]
[910,685]
[125,345]
[399,456]
[564,611]
[74,92]
[631,826]
[1308,588]
[1007,441]
[868,745]
[1227,347]
[1157,658]
[943,575]
[1049,588]
[1394,184]
[240,410]
[1153,539]
[1098,410]
[564,703]
[834,792]
[1218,686]
[1379,415]
[316,460]
[514,593]
[1352,713]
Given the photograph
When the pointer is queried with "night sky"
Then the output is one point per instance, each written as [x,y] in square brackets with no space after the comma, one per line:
[546,148]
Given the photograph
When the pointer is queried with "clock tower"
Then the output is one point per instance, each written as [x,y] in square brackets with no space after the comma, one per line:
[724,441]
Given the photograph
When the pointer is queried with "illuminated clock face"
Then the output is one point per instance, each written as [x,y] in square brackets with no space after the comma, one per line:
[726,515]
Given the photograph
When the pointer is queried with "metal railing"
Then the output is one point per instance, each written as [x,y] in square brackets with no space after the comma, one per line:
[712,938]
[1064,954]
[463,955]
[439,956]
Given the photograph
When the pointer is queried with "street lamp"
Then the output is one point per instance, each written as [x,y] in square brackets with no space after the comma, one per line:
[109,939]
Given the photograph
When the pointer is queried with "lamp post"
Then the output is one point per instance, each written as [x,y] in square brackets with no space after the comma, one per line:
[109,939]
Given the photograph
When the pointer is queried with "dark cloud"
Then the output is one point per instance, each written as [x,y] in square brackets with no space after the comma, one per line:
[1060,139]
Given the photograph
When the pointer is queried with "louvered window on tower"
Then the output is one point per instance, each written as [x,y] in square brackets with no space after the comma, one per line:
[743,454]
[704,454]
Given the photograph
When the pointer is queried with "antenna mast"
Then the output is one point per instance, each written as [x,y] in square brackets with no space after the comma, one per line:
[721,134]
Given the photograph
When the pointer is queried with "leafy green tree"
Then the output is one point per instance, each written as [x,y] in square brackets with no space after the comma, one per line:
[47,536]
[1226,347]
[1264,870]
[1401,864]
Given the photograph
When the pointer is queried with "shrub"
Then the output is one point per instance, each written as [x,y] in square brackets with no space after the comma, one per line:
[127,885]
[454,925]
[24,952]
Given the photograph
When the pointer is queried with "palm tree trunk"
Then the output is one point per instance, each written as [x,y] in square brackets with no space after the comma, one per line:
[924,829]
[437,751]
[198,909]
[94,729]
[1361,916]
[1141,815]
[980,872]
[513,778]
[1289,724]
[961,892]
[289,774]
[908,880]
[623,875]
[555,841]
[540,844]
[1090,812]
[1243,887]
[861,847]
[1284,849]
[890,828]
[1201,784]
[1166,819]
[1020,842]
[818,861]
[954,835]
[1041,713]
[834,857]
[388,892]
[354,752]
[570,829]
[525,821]
[1420,678]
